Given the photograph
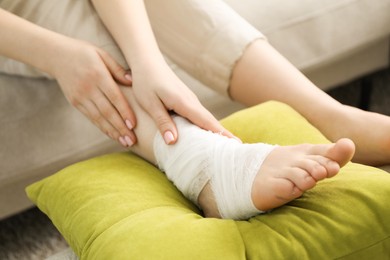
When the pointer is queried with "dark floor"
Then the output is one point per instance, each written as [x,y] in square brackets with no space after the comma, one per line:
[29,235]
[370,93]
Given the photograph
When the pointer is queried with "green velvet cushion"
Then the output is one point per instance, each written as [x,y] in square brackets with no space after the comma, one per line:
[118,206]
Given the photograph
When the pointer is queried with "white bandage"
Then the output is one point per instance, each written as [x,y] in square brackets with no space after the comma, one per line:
[201,156]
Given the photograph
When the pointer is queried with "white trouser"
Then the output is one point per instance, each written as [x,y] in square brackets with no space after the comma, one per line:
[204,38]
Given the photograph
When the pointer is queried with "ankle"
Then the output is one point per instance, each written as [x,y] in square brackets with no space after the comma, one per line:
[207,203]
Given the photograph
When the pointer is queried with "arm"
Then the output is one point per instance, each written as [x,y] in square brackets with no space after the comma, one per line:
[156,87]
[85,73]
[28,43]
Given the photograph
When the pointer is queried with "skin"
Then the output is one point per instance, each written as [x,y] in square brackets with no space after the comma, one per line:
[92,82]
[89,77]
[156,88]
[286,173]
[254,86]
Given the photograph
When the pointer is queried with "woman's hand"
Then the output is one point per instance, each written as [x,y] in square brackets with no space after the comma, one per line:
[156,87]
[86,75]
[158,90]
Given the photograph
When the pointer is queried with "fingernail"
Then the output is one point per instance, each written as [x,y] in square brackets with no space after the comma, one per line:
[129,141]
[122,141]
[129,124]
[128,77]
[168,137]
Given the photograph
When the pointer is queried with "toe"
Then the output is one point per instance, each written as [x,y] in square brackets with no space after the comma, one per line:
[332,168]
[301,179]
[315,166]
[319,172]
[341,152]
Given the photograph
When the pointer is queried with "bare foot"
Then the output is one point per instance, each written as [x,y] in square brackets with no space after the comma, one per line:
[291,170]
[287,172]
[369,131]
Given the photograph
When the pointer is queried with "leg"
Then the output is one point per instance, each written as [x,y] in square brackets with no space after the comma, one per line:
[216,52]
[210,162]
[263,74]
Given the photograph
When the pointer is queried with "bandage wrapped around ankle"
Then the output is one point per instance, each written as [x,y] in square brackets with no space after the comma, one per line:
[200,156]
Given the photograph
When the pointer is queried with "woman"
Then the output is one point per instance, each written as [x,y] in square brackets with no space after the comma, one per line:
[223,51]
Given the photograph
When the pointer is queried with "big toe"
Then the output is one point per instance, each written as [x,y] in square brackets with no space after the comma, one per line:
[342,151]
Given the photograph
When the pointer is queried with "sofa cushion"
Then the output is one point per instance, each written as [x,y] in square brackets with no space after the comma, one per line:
[119,206]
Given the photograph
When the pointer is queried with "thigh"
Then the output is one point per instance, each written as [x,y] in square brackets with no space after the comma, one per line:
[74,18]
[205,38]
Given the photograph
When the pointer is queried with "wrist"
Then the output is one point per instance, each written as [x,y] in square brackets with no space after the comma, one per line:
[62,53]
[144,58]
[51,58]
[147,63]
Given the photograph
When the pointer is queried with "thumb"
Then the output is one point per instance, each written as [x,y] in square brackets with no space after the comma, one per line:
[116,70]
[201,117]
[164,123]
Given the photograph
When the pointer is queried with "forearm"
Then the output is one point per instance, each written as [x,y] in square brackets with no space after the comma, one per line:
[26,42]
[128,22]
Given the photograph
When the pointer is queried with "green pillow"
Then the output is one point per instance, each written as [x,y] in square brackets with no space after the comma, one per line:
[119,206]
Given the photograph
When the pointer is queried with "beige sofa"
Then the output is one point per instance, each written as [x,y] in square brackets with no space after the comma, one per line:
[332,42]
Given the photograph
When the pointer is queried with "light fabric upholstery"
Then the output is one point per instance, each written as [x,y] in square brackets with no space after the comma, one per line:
[40,133]
[118,206]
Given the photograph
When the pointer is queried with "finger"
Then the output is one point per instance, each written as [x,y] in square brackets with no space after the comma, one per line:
[163,120]
[108,111]
[129,77]
[201,117]
[114,94]
[116,70]
[104,125]
[91,112]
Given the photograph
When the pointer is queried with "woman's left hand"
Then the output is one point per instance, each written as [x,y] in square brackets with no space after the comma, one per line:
[158,90]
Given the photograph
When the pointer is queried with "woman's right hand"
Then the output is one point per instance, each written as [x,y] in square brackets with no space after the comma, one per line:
[87,76]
